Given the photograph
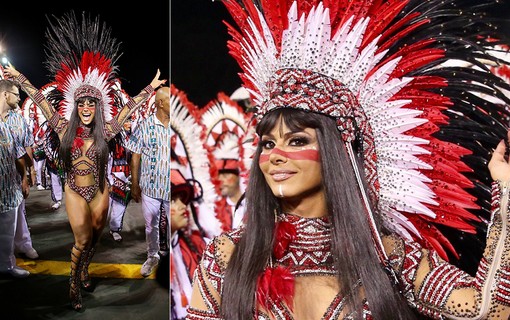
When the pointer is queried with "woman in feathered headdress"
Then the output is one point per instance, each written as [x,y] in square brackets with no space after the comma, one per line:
[81,56]
[372,153]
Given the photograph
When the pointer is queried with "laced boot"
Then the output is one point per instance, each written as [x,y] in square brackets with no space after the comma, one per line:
[86,283]
[74,279]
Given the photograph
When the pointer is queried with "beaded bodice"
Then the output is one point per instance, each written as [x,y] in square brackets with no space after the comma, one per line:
[84,167]
[309,251]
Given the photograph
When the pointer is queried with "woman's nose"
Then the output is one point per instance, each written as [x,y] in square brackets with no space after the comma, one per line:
[278,156]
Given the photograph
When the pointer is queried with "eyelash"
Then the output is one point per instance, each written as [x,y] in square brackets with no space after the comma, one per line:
[293,142]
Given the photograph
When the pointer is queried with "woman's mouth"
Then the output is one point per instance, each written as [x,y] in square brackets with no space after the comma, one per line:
[281,175]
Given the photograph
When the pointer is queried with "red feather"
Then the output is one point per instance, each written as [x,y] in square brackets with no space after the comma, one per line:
[285,232]
[77,143]
[275,285]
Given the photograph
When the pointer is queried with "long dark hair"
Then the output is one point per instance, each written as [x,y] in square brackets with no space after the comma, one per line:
[351,242]
[97,130]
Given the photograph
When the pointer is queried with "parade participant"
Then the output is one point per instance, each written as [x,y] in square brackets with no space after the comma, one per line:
[193,197]
[355,177]
[226,126]
[119,173]
[150,167]
[40,158]
[81,57]
[187,243]
[189,150]
[53,167]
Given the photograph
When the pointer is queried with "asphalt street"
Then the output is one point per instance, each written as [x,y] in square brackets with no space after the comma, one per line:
[120,291]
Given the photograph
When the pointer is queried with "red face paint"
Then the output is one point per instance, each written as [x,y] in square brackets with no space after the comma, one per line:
[230,180]
[307,154]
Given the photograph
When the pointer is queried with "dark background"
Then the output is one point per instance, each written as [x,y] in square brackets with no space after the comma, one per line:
[143,30]
[200,63]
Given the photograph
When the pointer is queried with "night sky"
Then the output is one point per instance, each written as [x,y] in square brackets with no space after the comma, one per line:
[200,63]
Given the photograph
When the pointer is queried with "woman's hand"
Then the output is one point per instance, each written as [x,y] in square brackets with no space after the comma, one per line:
[499,167]
[10,71]
[155,83]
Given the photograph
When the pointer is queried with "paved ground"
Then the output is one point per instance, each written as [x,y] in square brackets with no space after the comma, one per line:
[120,293]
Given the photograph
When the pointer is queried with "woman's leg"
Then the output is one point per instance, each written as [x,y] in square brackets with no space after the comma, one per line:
[78,213]
[99,217]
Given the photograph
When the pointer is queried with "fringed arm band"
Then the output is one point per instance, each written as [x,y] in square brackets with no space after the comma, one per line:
[36,95]
[131,106]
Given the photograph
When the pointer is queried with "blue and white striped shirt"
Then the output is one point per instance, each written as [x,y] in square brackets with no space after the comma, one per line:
[10,180]
[151,140]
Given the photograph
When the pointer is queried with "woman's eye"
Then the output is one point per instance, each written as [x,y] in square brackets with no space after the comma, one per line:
[267,144]
[299,141]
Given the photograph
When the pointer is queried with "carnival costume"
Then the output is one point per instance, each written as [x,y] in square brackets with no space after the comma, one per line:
[188,149]
[190,181]
[81,57]
[425,136]
[227,133]
[119,171]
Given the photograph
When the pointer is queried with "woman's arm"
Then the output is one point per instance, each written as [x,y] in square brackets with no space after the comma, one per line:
[114,126]
[34,93]
[205,302]
[440,290]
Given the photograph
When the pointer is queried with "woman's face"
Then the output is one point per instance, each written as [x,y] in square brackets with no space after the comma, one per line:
[290,163]
[86,111]
[178,214]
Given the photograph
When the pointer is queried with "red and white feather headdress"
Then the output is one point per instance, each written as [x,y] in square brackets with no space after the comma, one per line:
[226,127]
[82,57]
[188,150]
[32,113]
[376,68]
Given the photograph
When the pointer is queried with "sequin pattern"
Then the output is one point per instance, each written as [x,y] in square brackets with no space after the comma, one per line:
[430,285]
[87,192]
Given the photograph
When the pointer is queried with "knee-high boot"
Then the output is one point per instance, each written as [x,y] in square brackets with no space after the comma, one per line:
[86,283]
[74,279]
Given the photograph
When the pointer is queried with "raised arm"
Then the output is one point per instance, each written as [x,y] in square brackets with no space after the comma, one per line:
[133,104]
[34,93]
